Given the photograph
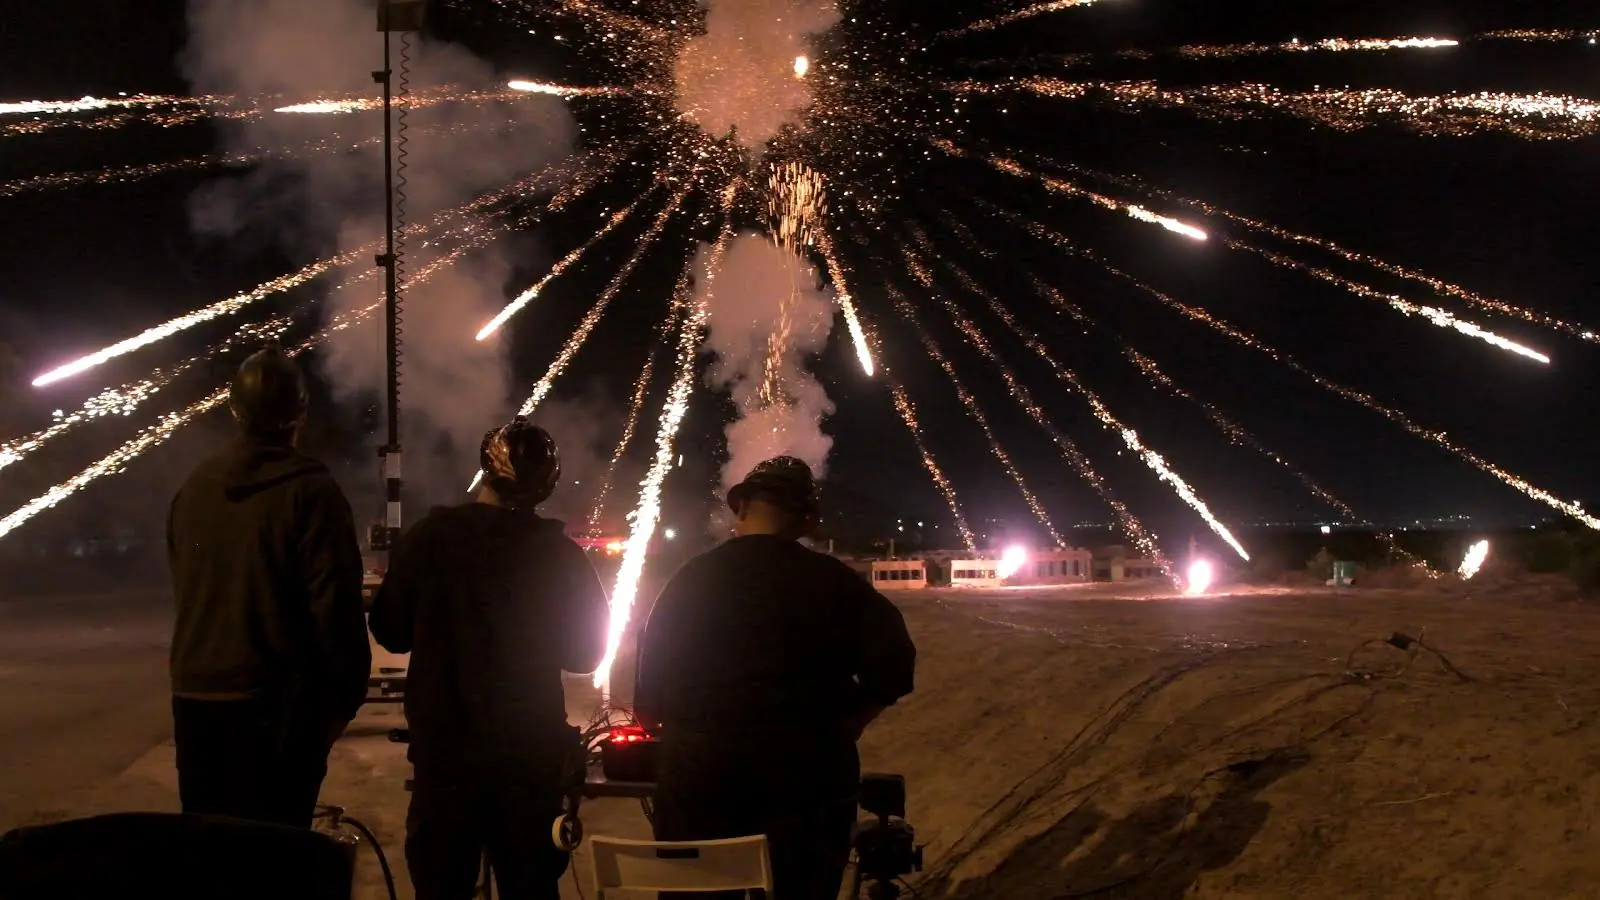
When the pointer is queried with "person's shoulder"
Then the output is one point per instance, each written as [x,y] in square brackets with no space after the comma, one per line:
[830,563]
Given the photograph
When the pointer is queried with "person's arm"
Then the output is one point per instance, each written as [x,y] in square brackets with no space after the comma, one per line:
[886,657]
[331,562]
[587,614]
[393,619]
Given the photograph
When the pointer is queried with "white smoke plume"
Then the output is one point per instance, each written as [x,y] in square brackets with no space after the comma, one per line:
[741,75]
[454,388]
[757,280]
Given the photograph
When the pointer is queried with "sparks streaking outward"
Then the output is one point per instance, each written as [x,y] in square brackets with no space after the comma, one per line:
[834,107]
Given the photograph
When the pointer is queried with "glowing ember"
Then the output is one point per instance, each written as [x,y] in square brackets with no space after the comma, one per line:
[1473,561]
[1011,562]
[801,66]
[1201,576]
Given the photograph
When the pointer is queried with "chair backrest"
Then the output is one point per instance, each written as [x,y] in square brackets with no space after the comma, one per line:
[733,864]
[173,856]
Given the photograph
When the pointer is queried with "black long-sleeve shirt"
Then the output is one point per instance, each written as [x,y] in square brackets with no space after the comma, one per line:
[762,632]
[266,573]
[492,604]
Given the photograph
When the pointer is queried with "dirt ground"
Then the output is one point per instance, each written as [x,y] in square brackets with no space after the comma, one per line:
[1099,742]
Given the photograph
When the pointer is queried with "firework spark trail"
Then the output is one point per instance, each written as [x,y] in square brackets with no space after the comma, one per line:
[590,320]
[1235,432]
[1445,288]
[1147,366]
[1245,339]
[276,286]
[157,434]
[836,272]
[1126,520]
[1530,116]
[1014,168]
[909,313]
[908,414]
[129,397]
[1037,9]
[172,112]
[610,19]
[1129,436]
[528,296]
[1325,45]
[694,314]
[1434,315]
[641,390]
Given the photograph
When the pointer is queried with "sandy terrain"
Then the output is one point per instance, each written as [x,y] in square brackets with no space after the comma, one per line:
[1099,743]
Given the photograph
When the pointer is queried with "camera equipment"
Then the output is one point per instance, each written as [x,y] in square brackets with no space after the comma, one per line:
[886,848]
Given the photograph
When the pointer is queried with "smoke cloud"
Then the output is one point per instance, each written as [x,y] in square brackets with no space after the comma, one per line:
[740,75]
[762,291]
[289,51]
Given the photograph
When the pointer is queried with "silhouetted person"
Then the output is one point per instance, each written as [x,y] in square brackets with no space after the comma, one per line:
[492,601]
[270,659]
[760,666]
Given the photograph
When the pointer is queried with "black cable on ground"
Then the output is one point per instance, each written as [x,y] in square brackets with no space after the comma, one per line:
[377,849]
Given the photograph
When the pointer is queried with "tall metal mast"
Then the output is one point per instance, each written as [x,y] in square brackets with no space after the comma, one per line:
[394,16]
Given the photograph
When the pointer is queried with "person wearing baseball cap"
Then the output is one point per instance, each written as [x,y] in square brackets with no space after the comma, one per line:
[759,667]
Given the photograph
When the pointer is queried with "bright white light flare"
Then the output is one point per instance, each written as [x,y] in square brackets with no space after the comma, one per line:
[1201,576]
[1011,562]
[1473,561]
[1173,225]
[801,66]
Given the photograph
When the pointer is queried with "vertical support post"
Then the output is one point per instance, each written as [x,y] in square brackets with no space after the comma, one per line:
[393,15]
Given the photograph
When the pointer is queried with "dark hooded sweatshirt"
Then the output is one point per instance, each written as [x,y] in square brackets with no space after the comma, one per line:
[492,604]
[266,571]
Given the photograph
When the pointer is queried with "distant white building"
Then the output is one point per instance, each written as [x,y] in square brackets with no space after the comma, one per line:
[975,573]
[899,574]
[1114,564]
[1063,565]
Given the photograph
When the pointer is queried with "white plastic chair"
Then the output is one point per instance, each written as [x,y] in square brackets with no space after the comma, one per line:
[732,864]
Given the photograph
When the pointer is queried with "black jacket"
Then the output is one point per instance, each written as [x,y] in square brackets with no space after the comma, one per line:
[492,604]
[267,574]
[761,634]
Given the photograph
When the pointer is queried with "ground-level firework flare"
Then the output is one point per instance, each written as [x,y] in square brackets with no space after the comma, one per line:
[693,313]
[1477,554]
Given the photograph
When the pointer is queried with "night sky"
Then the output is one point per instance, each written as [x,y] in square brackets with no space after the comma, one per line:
[1506,217]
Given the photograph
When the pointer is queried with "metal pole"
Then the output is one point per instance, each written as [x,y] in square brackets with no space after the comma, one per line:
[391,451]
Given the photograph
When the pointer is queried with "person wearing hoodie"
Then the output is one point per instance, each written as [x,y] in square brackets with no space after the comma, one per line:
[270,659]
[493,602]
[760,666]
